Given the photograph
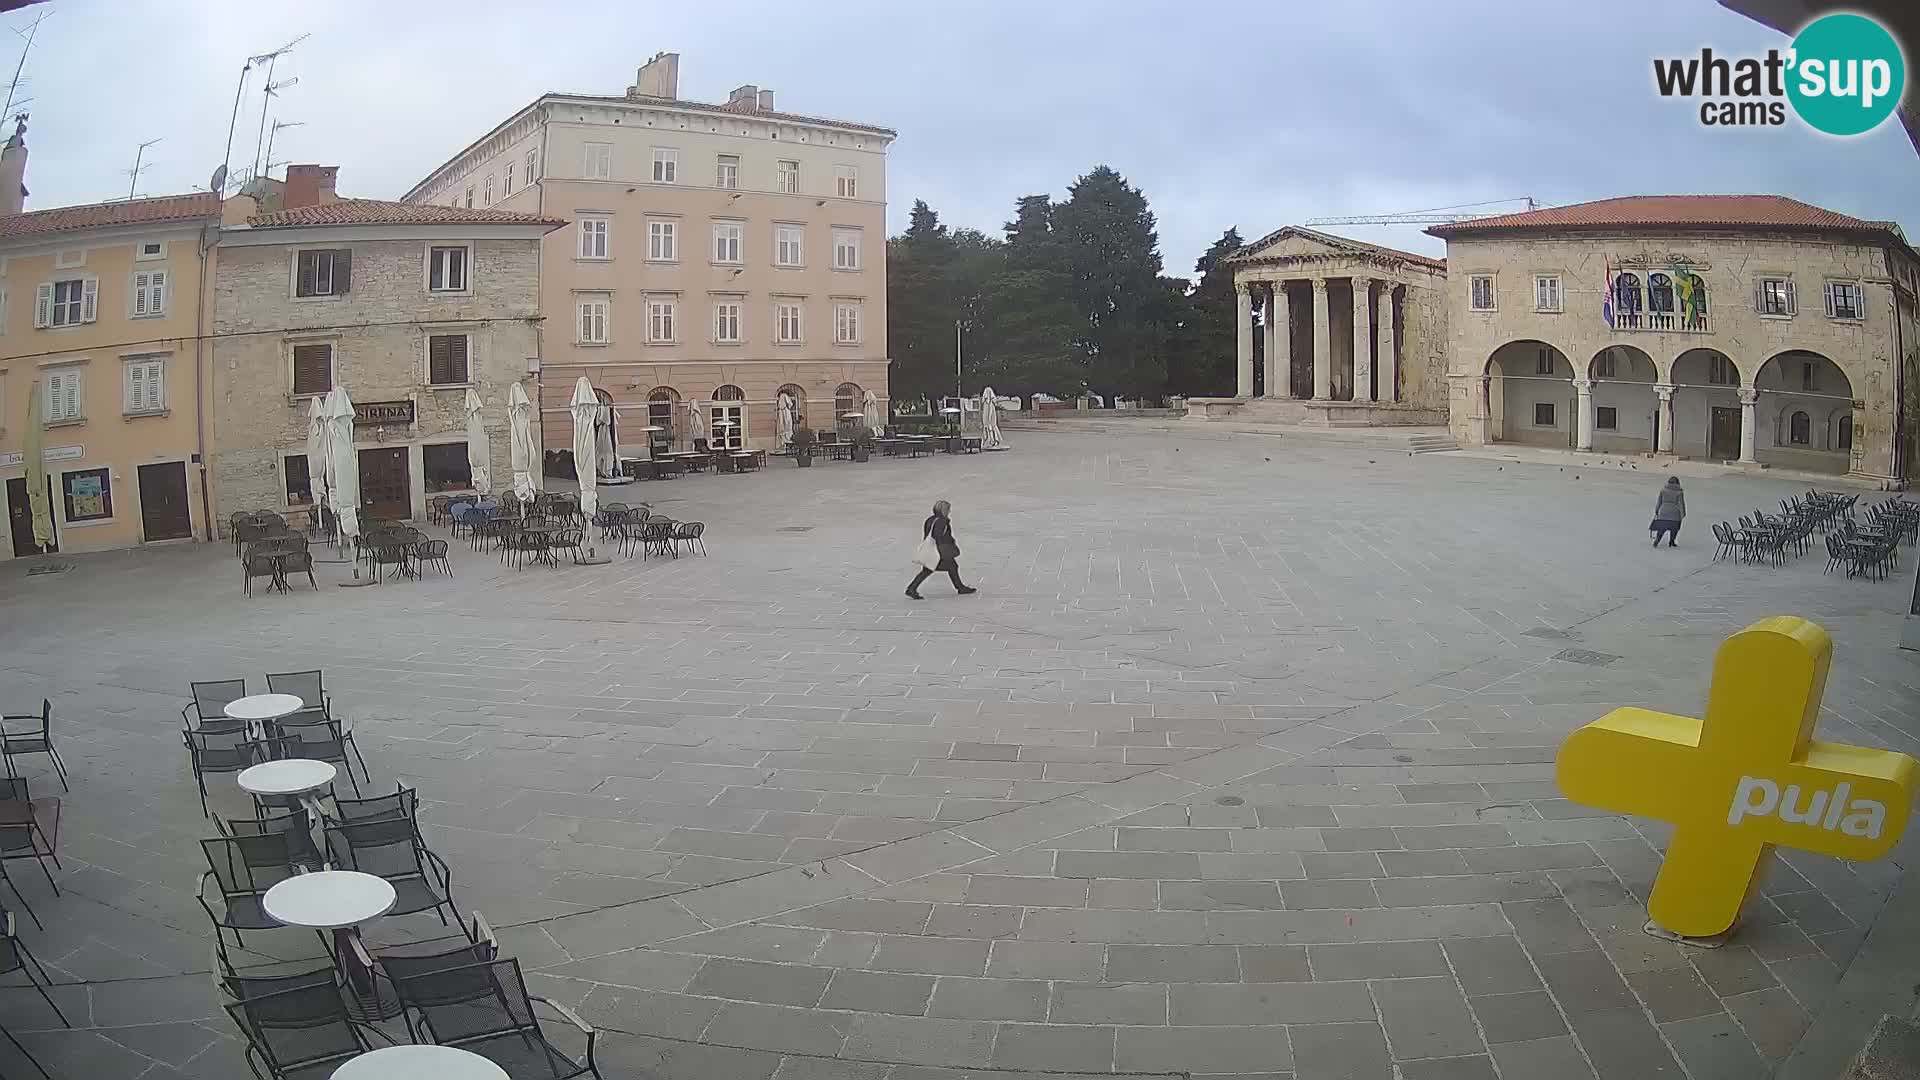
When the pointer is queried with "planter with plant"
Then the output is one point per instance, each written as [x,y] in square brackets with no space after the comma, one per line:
[862,443]
[802,445]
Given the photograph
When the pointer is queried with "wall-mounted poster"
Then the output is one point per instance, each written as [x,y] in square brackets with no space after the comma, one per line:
[89,495]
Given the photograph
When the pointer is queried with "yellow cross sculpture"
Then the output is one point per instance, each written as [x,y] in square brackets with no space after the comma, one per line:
[1746,778]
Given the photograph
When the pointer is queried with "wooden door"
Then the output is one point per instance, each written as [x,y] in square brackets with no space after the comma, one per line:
[386,488]
[164,511]
[20,517]
[1723,434]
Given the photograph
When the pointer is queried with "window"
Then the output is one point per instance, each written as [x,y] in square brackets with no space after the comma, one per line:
[726,173]
[447,269]
[506,181]
[1774,296]
[469,198]
[149,293]
[599,161]
[1843,436]
[312,370]
[787,245]
[1604,366]
[88,495]
[660,415]
[1626,299]
[533,165]
[146,383]
[847,399]
[666,165]
[151,249]
[1659,294]
[727,239]
[1808,379]
[1546,292]
[662,241]
[1720,372]
[299,481]
[1543,414]
[729,428]
[846,249]
[66,303]
[1800,428]
[846,324]
[446,466]
[66,397]
[593,320]
[786,318]
[447,359]
[593,237]
[1845,300]
[846,181]
[726,321]
[325,272]
[1481,288]
[660,320]
[1606,418]
[1543,361]
[786,177]
[489,191]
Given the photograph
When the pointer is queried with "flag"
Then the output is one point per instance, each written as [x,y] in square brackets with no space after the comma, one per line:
[1606,294]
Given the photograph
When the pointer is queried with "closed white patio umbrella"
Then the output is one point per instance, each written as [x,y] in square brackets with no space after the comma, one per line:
[605,459]
[870,406]
[696,425]
[317,465]
[479,453]
[990,438]
[520,446]
[586,444]
[343,464]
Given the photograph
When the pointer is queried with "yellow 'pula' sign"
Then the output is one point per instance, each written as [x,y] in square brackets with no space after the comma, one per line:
[1746,778]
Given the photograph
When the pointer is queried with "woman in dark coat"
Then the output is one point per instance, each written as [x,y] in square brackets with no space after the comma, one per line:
[1669,510]
[939,528]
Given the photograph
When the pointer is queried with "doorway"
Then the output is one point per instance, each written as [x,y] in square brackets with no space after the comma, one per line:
[1723,434]
[20,518]
[386,487]
[164,510]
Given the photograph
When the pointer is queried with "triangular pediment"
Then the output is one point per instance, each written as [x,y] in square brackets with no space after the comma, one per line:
[1296,241]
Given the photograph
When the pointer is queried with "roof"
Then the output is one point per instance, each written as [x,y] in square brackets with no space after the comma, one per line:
[166,208]
[383,212]
[1247,252]
[1674,211]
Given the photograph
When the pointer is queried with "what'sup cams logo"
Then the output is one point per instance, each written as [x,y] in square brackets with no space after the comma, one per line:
[1843,74]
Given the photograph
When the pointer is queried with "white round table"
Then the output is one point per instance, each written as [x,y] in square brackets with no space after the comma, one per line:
[328,900]
[416,1062]
[264,707]
[290,776]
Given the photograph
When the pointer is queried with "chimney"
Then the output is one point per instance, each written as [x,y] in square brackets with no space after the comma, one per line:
[309,185]
[13,169]
[765,102]
[744,97]
[658,78]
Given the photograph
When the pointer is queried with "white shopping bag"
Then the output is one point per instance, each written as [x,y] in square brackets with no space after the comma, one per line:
[926,553]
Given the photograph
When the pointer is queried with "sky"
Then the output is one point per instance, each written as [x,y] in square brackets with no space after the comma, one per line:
[1254,114]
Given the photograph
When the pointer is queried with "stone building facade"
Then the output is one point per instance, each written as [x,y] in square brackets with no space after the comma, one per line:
[1349,333]
[718,255]
[1753,329]
[405,306]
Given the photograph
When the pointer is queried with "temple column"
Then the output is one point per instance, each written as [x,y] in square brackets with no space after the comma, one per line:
[1748,399]
[1362,340]
[1389,362]
[1663,417]
[1278,329]
[1583,408]
[1243,337]
[1322,361]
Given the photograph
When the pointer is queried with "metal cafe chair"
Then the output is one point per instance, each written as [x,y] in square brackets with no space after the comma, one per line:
[31,740]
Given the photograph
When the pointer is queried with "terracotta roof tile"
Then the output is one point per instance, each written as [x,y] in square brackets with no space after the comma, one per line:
[1692,211]
[166,208]
[383,212]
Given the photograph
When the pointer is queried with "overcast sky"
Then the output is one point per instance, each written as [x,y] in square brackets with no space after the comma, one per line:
[1256,114]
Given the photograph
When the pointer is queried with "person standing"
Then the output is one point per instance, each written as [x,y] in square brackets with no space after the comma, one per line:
[1669,510]
[939,529]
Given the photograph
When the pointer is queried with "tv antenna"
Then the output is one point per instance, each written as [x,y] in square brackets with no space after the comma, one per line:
[220,175]
[266,100]
[13,88]
[278,126]
[133,174]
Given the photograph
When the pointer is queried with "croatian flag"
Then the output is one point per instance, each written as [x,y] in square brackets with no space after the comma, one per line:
[1606,295]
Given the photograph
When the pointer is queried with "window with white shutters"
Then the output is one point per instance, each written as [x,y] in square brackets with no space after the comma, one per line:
[846,249]
[1774,296]
[1480,287]
[727,239]
[66,303]
[1546,292]
[65,399]
[1845,300]
[594,234]
[146,379]
[149,293]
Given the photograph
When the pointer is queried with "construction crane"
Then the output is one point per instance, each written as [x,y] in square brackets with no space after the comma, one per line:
[1438,215]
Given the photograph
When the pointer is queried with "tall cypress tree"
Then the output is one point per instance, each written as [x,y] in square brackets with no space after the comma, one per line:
[1112,255]
[1201,359]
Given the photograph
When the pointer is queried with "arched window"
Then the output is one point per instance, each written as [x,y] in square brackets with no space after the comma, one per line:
[1800,428]
[1659,294]
[660,414]
[729,419]
[799,397]
[1690,292]
[846,399]
[1843,435]
[729,392]
[1626,294]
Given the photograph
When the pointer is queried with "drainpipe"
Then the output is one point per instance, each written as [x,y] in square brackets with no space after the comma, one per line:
[208,238]
[1899,379]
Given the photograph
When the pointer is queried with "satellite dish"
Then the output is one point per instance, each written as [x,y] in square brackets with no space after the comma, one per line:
[219,181]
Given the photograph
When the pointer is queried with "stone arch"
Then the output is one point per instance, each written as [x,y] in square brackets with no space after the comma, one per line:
[1800,396]
[1625,408]
[799,396]
[1707,384]
[662,412]
[1529,394]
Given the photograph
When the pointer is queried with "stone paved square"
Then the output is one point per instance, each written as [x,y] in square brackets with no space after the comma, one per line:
[1240,763]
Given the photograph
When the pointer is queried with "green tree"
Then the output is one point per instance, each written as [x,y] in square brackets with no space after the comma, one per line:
[1112,257]
[918,263]
[1033,327]
[1201,358]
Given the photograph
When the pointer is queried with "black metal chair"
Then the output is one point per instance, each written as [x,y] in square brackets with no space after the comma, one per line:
[15,957]
[317,738]
[485,1009]
[404,803]
[391,848]
[435,552]
[415,970]
[32,741]
[302,1033]
[309,686]
[689,533]
[290,823]
[240,984]
[210,701]
[244,868]
[23,837]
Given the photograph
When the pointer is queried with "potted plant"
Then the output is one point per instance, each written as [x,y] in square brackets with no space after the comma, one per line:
[803,441]
[862,442]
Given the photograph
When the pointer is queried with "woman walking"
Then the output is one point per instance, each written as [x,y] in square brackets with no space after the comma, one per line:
[938,531]
[1669,510]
